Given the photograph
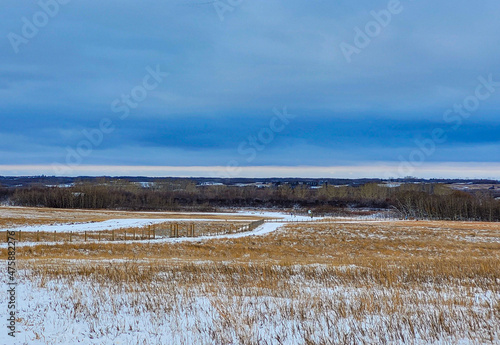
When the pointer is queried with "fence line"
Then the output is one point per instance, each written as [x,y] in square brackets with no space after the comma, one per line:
[146,233]
[173,230]
[85,236]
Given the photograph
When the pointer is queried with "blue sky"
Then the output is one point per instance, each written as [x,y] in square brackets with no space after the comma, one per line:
[232,68]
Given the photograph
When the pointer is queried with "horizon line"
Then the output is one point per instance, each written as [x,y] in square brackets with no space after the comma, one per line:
[385,170]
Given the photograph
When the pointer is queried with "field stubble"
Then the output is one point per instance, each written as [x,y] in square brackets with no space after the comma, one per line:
[318,283]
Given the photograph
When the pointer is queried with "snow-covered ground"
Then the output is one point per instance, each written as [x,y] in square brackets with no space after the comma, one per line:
[114,224]
[305,310]
[264,229]
[224,303]
[279,219]
[271,214]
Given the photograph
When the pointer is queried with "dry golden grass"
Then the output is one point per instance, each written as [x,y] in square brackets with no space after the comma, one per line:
[336,282]
[324,243]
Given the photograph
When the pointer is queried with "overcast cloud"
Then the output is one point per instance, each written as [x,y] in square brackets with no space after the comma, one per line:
[225,77]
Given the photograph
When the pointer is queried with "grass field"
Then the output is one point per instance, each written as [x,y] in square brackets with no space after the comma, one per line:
[331,282]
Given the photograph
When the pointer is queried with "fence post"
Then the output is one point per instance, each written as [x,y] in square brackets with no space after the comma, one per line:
[38,235]
[71,236]
[134,234]
[20,235]
[112,235]
[7,236]
[99,236]
[85,236]
[154,233]
[55,236]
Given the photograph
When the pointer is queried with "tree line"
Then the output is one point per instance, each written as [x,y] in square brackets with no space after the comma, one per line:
[420,200]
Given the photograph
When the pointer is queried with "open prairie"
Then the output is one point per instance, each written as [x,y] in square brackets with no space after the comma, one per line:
[331,281]
[22,216]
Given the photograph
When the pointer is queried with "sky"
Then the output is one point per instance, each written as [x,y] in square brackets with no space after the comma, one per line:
[250,88]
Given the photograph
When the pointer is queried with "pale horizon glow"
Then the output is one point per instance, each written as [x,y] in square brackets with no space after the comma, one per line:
[382,170]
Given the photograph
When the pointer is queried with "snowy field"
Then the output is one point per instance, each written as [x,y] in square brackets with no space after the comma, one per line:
[335,281]
[114,224]
[278,218]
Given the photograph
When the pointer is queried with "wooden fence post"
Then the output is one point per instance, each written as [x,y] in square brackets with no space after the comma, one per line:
[38,235]
[85,236]
[20,235]
[55,236]
[134,233]
[112,235]
[71,236]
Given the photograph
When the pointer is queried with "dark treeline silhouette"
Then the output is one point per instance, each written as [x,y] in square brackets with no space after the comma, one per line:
[412,200]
